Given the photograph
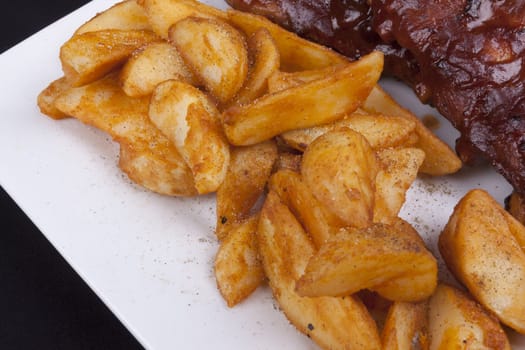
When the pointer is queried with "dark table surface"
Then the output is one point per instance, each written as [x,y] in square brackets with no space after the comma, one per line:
[44,304]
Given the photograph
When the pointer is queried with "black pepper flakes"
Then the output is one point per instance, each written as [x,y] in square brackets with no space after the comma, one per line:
[310,326]
[224,220]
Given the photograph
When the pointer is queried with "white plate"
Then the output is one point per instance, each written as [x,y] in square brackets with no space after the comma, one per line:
[149,257]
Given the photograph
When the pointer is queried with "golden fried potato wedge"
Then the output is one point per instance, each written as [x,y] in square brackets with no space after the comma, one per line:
[264,57]
[404,323]
[125,15]
[379,130]
[152,65]
[245,181]
[89,56]
[157,170]
[399,168]
[295,194]
[162,14]
[296,53]
[457,322]
[333,323]
[440,159]
[356,259]
[216,53]
[238,269]
[46,98]
[342,92]
[148,158]
[340,170]
[190,120]
[483,253]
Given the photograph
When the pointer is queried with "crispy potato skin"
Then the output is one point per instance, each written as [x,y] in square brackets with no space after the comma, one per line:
[480,245]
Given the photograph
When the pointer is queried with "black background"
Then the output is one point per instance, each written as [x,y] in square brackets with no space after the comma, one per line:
[44,304]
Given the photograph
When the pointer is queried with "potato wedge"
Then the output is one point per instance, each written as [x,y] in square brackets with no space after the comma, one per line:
[155,169]
[483,253]
[457,322]
[46,98]
[296,53]
[356,259]
[162,14]
[440,159]
[295,194]
[399,168]
[148,158]
[405,327]
[125,15]
[216,53]
[333,323]
[245,181]
[152,65]
[89,56]
[264,58]
[238,269]
[342,92]
[379,130]
[190,120]
[340,170]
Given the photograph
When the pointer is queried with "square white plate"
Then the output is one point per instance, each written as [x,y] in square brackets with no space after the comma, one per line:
[150,257]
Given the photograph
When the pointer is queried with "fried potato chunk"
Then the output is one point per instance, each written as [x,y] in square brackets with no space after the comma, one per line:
[340,169]
[356,259]
[245,181]
[162,14]
[46,99]
[481,246]
[405,322]
[215,51]
[89,56]
[457,322]
[332,322]
[319,223]
[191,121]
[379,130]
[440,159]
[151,66]
[342,92]
[399,168]
[238,269]
[296,53]
[148,156]
[264,61]
[125,15]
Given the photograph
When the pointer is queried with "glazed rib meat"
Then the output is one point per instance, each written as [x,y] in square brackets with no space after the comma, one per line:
[466,57]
